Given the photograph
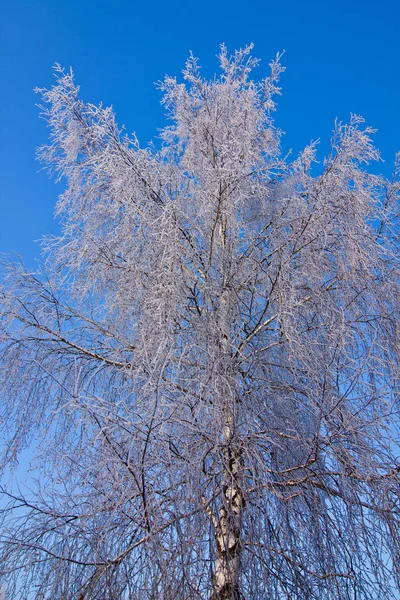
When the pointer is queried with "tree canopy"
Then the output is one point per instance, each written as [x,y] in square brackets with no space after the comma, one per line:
[207,359]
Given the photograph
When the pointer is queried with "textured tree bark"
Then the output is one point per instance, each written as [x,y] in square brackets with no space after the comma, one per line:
[228,524]
[228,528]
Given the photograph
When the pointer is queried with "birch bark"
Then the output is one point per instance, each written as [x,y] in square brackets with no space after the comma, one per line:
[228,524]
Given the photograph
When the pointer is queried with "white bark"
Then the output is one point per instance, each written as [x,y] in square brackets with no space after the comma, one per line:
[228,527]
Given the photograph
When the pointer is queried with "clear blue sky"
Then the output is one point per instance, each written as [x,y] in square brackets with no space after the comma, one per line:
[341,57]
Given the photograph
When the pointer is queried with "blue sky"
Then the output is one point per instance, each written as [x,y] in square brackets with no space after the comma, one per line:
[341,57]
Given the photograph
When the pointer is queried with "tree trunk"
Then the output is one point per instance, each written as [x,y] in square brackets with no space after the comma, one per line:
[228,527]
[228,523]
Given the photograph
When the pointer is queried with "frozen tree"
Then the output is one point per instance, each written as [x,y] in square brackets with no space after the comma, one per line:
[207,360]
